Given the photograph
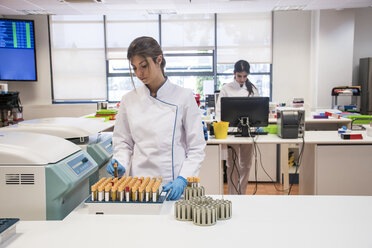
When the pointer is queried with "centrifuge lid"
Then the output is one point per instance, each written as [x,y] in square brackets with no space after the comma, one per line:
[23,148]
[64,127]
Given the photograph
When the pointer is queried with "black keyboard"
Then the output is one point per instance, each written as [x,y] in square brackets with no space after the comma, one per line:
[259,133]
[252,133]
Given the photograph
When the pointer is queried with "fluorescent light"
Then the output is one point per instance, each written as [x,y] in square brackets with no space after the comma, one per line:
[33,11]
[289,7]
[161,11]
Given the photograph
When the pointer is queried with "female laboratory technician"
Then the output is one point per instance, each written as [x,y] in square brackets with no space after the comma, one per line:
[241,86]
[159,124]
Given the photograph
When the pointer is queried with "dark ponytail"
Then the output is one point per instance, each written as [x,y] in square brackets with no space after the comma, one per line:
[243,66]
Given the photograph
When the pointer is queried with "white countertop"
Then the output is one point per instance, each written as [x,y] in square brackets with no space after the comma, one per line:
[262,139]
[258,221]
[311,137]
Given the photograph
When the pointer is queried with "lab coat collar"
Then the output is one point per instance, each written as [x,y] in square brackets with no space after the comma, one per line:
[162,90]
[236,85]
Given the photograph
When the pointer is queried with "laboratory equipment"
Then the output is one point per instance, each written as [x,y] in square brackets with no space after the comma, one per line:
[210,101]
[203,211]
[353,92]
[7,228]
[84,132]
[42,177]
[100,148]
[245,112]
[127,195]
[193,188]
[10,109]
[291,122]
[365,82]
[298,102]
[272,110]
[352,136]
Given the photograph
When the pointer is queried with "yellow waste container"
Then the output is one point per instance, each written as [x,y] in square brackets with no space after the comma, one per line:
[220,129]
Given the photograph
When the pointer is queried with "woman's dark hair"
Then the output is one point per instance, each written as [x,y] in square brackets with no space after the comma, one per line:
[146,47]
[243,66]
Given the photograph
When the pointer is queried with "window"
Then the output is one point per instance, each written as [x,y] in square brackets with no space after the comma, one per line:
[260,76]
[78,58]
[245,36]
[89,52]
[121,30]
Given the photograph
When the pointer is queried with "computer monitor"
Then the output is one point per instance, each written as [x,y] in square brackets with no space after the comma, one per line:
[242,112]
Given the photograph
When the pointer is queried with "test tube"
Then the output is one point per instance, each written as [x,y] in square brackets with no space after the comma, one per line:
[155,191]
[107,192]
[101,192]
[197,181]
[94,192]
[135,190]
[114,192]
[115,170]
[121,180]
[100,181]
[188,182]
[127,199]
[121,193]
[148,194]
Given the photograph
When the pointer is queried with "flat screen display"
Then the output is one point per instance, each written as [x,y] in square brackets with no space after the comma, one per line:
[255,108]
[17,50]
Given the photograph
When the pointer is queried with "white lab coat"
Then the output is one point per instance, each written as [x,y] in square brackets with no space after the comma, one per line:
[232,89]
[164,134]
[244,152]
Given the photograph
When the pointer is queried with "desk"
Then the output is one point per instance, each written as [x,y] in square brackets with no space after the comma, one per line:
[333,166]
[257,221]
[330,165]
[215,184]
[312,124]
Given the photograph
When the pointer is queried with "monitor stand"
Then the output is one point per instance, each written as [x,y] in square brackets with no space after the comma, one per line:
[245,133]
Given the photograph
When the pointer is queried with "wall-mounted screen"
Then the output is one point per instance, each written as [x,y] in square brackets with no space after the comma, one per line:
[17,50]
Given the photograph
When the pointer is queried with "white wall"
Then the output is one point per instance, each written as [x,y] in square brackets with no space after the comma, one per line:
[38,92]
[312,53]
[362,38]
[291,55]
[36,97]
[335,53]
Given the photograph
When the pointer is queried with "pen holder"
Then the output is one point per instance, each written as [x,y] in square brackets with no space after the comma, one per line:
[220,129]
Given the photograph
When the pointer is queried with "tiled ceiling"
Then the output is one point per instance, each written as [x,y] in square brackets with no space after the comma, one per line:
[108,7]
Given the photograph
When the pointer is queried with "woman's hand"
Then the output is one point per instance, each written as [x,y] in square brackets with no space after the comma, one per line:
[177,186]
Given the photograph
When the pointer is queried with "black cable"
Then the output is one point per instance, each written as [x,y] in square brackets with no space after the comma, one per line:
[255,158]
[272,180]
[234,158]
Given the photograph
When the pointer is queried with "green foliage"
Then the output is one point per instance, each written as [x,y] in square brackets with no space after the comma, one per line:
[199,85]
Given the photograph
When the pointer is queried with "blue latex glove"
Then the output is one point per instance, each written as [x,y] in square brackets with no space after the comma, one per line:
[111,170]
[177,187]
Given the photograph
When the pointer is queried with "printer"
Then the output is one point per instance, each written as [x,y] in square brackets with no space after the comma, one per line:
[290,122]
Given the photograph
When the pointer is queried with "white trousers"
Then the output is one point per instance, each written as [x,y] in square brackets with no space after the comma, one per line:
[239,172]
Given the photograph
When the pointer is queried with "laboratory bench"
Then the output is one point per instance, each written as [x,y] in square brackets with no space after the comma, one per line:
[312,124]
[257,221]
[330,165]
